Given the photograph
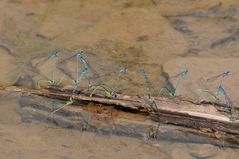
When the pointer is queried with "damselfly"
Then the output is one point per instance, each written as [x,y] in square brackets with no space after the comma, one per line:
[147,82]
[178,77]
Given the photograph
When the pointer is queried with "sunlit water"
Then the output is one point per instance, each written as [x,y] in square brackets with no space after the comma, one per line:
[160,36]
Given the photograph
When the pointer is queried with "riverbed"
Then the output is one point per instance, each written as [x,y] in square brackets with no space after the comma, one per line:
[163,37]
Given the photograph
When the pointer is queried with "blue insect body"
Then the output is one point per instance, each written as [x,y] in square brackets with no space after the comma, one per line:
[54,55]
[222,76]
[181,75]
[147,82]
[226,96]
[221,90]
[79,75]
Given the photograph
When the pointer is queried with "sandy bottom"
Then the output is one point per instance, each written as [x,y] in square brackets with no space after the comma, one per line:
[163,37]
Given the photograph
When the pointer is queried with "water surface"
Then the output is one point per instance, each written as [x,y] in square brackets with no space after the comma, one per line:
[161,36]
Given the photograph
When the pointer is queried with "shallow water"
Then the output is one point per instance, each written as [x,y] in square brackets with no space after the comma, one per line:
[161,36]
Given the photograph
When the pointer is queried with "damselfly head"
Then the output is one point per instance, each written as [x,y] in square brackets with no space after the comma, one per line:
[142,72]
[184,73]
[225,74]
[80,55]
[123,70]
[54,54]
[220,76]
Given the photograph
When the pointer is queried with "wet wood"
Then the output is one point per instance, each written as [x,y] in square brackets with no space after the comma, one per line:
[204,118]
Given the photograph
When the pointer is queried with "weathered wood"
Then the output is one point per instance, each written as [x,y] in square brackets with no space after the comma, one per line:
[204,118]
[109,121]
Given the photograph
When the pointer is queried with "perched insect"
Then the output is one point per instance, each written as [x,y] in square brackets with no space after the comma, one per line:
[53,64]
[226,96]
[233,115]
[147,82]
[221,77]
[80,74]
[52,82]
[211,94]
[221,90]
[151,102]
[179,77]
[109,91]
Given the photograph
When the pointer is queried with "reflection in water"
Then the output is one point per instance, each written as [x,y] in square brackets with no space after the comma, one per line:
[201,36]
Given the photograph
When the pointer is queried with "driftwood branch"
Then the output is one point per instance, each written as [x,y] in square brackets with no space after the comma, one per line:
[203,118]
